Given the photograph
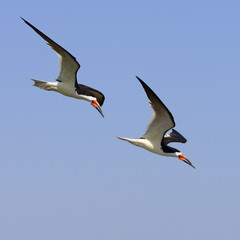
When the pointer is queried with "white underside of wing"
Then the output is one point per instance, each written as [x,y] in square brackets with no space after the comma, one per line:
[67,66]
[157,126]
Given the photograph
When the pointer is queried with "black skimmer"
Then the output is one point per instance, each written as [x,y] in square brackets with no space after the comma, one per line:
[67,80]
[154,139]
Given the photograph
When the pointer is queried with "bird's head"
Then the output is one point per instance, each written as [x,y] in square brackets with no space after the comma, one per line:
[97,106]
[184,159]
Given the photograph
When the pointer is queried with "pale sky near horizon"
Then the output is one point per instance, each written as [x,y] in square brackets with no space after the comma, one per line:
[64,175]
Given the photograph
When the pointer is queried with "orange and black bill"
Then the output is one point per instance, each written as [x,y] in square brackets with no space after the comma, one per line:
[184,159]
[97,106]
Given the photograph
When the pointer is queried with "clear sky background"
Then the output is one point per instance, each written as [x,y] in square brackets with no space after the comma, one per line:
[64,175]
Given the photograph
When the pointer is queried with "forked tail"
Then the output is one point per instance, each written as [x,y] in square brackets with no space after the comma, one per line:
[40,84]
[130,140]
[139,142]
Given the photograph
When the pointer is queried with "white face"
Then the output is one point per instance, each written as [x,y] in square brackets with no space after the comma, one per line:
[87,98]
[178,153]
[175,154]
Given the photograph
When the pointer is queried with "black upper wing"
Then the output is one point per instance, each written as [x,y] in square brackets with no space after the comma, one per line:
[174,136]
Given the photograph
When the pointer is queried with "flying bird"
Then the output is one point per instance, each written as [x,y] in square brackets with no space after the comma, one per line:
[154,139]
[67,80]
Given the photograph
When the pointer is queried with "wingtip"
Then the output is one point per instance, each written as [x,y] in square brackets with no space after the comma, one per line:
[25,21]
[140,80]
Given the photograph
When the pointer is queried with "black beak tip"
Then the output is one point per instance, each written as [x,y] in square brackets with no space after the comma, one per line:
[189,163]
[100,111]
[192,166]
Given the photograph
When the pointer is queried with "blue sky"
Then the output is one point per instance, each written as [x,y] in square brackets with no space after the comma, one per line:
[63,173]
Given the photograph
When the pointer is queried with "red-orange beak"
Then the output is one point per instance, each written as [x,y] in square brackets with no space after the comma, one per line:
[97,106]
[184,159]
